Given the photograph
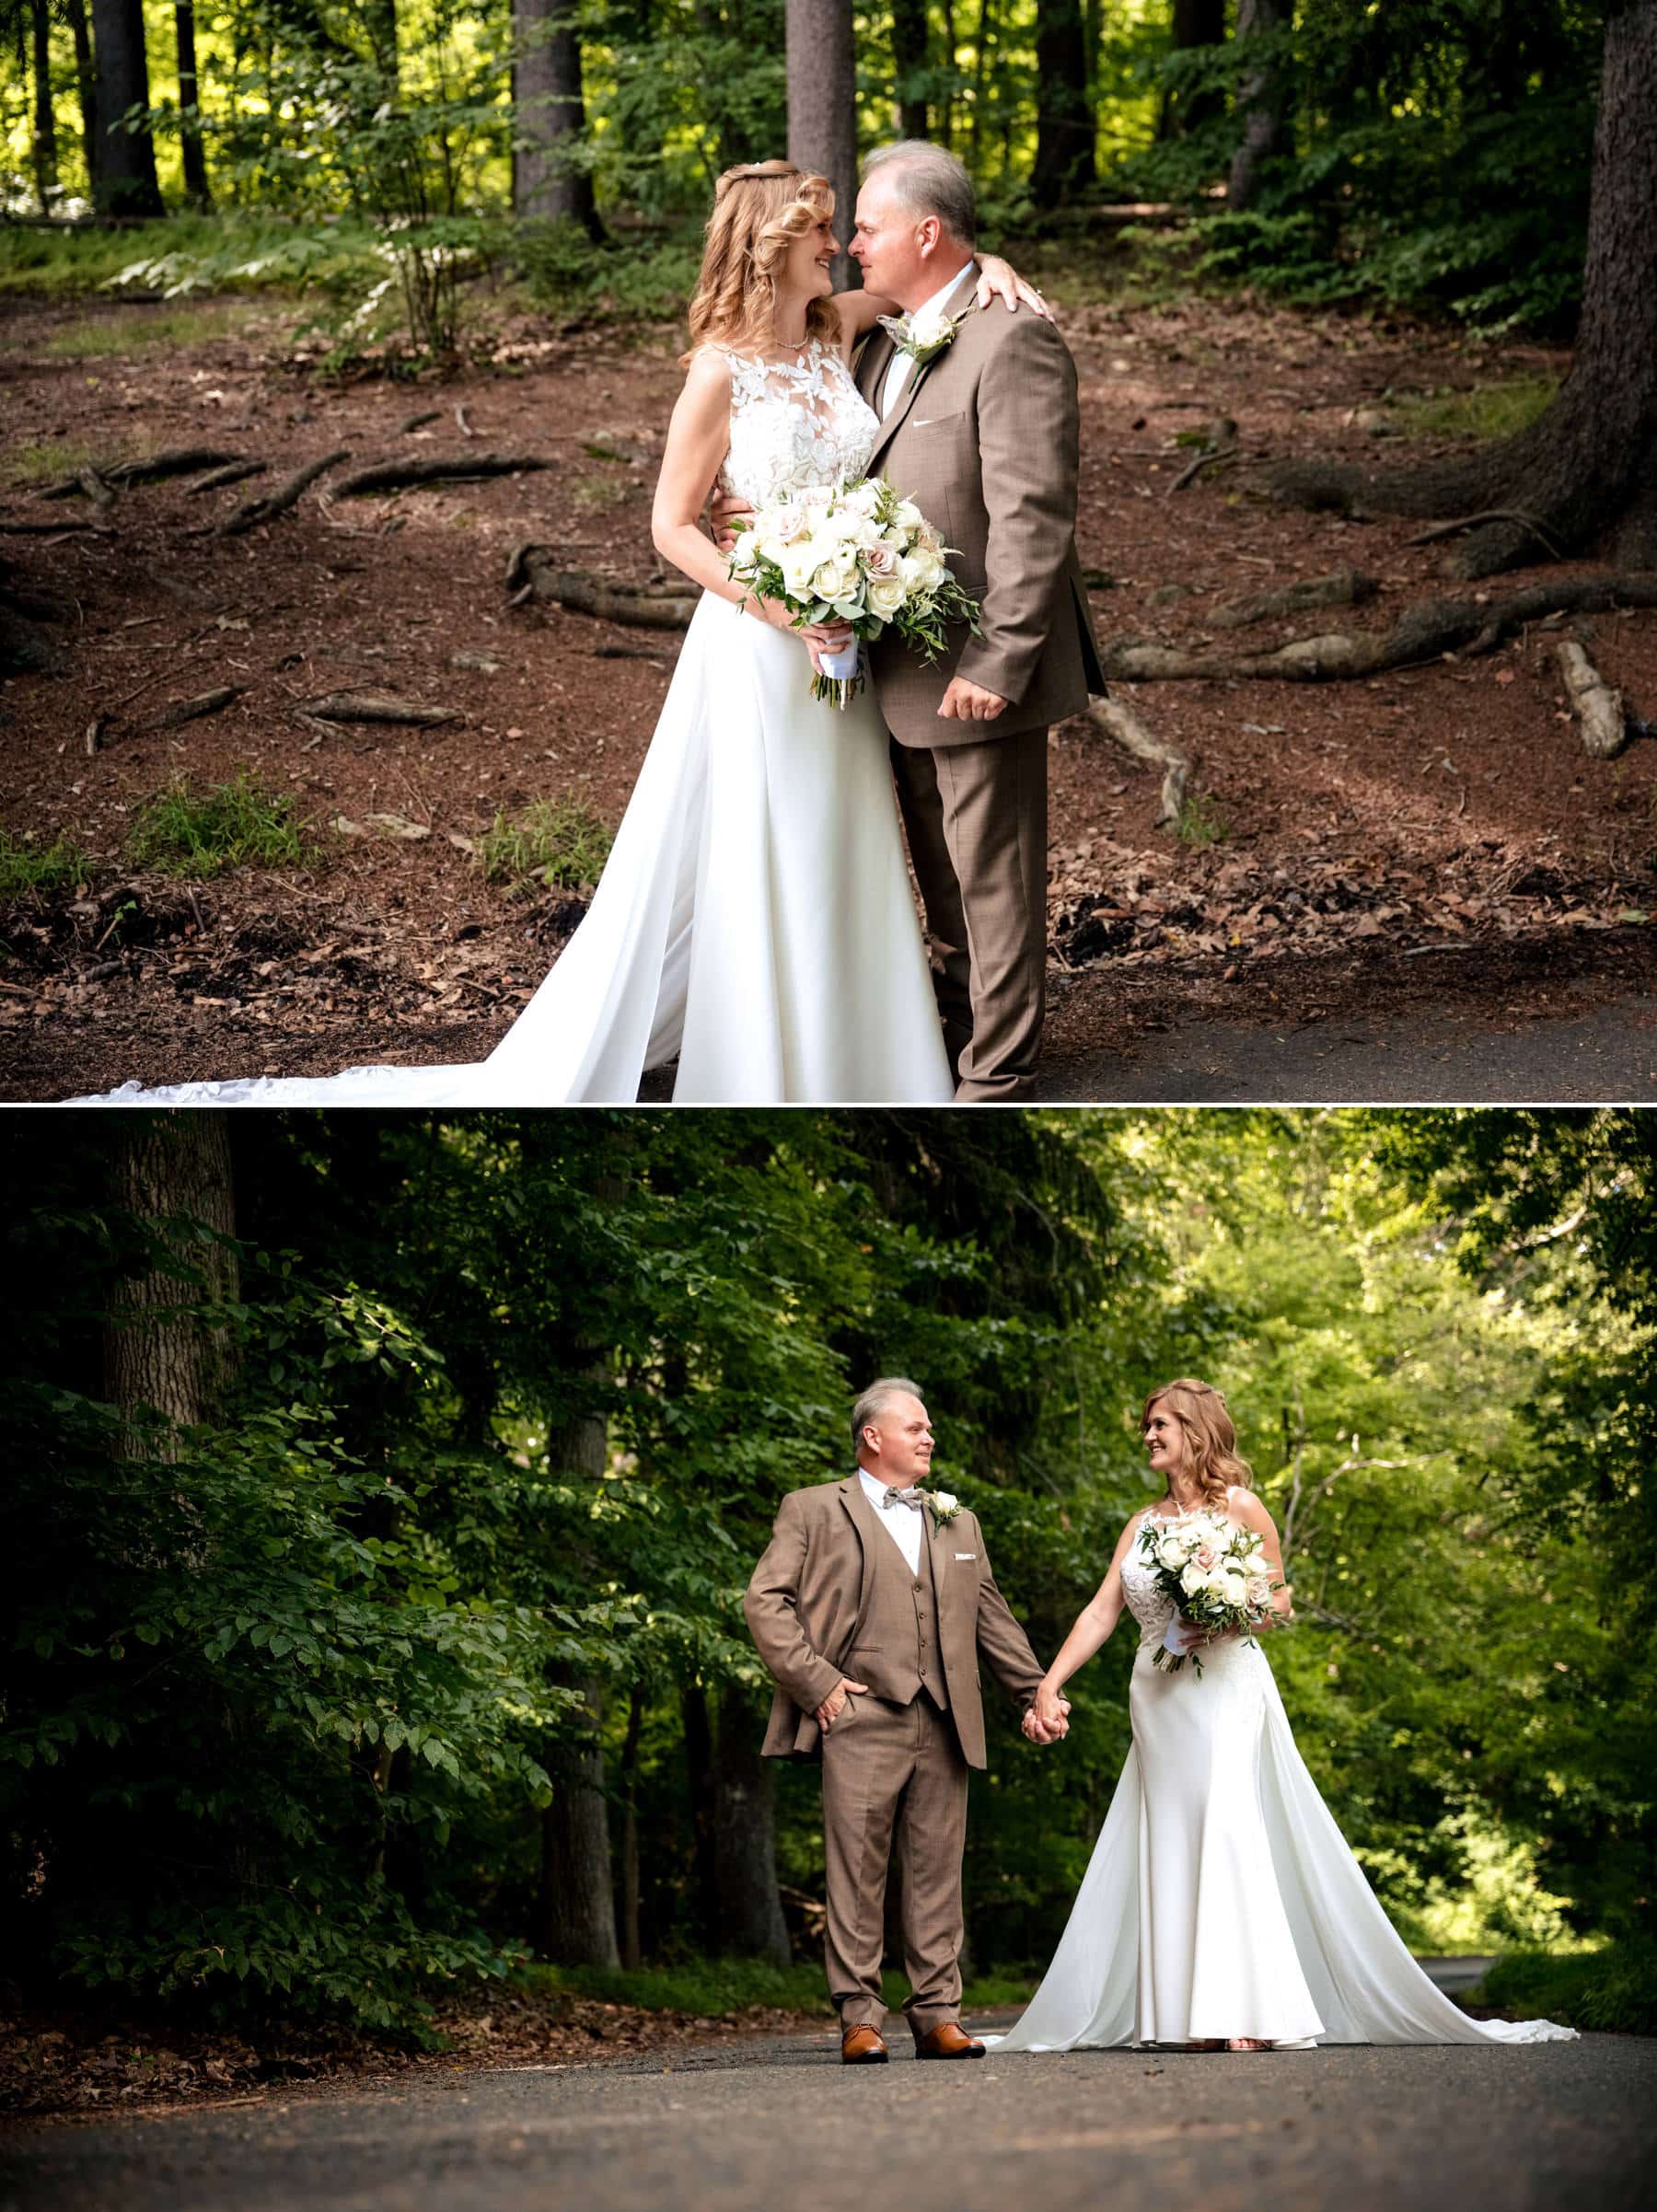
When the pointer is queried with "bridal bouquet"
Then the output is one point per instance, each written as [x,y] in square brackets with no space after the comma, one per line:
[1214,1572]
[856,553]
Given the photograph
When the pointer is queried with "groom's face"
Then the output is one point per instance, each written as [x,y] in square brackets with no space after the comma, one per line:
[903,1442]
[893,247]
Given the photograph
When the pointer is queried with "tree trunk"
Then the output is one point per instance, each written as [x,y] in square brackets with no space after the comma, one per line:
[947,117]
[911,40]
[577,1899]
[633,1956]
[125,183]
[43,145]
[157,1353]
[1261,100]
[549,181]
[1588,467]
[1064,122]
[85,85]
[745,1836]
[189,108]
[698,1788]
[1197,23]
[822,109]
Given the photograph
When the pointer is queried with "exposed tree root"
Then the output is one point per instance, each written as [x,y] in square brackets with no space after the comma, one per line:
[1345,588]
[433,468]
[1598,708]
[1422,632]
[531,574]
[374,706]
[192,710]
[285,495]
[1118,721]
[232,472]
[175,460]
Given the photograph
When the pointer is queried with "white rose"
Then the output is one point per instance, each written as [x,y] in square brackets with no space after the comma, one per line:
[930,325]
[835,578]
[1192,1578]
[946,1500]
[1169,1555]
[886,597]
[798,564]
[907,516]
[788,521]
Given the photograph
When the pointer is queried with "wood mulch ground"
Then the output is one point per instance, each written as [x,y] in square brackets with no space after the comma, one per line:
[1341,828]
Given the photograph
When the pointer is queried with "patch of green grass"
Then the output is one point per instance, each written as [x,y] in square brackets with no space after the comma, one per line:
[1613,1990]
[45,461]
[199,833]
[29,869]
[704,1988]
[195,253]
[1488,411]
[138,330]
[1201,822]
[557,843]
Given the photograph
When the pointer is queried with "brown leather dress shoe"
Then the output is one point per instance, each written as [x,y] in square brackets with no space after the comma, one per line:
[947,2041]
[862,2047]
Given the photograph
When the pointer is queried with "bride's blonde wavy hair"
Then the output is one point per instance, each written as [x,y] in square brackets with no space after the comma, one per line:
[1211,1439]
[759,209]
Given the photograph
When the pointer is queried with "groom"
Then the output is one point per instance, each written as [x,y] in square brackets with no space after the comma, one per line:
[980,427]
[871,1608]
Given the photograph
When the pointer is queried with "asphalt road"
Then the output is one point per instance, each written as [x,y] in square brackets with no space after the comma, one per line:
[781,2126]
[1608,1055]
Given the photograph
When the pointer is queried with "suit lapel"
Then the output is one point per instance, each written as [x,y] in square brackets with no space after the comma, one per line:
[858,1511]
[960,302]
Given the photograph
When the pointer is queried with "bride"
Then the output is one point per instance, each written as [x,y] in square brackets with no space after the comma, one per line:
[1222,1908]
[754,920]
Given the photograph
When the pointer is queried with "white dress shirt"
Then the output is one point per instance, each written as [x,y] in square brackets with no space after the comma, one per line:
[898,373]
[902,1522]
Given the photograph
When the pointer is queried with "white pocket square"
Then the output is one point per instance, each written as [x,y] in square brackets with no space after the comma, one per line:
[966,1555]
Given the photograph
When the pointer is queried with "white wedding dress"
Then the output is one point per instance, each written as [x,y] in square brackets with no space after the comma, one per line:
[754,919]
[1221,1899]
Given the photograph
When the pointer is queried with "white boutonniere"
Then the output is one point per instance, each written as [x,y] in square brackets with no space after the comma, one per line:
[944,1506]
[922,337]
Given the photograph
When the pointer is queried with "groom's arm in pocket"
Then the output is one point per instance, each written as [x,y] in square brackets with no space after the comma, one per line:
[771,1606]
[1005,1644]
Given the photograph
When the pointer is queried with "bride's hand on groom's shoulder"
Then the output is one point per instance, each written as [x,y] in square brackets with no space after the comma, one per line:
[999,280]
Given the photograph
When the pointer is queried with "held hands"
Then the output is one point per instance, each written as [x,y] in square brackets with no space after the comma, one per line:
[835,1703]
[1048,1719]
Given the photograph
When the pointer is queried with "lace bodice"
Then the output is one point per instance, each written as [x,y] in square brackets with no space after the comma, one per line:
[794,423]
[1147,1602]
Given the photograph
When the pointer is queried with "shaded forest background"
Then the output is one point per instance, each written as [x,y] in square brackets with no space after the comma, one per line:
[1436,151]
[383,1489]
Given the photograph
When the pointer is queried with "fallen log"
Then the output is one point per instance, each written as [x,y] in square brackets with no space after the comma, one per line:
[232,472]
[287,494]
[192,710]
[1597,707]
[1428,630]
[374,706]
[433,468]
[1345,588]
[531,574]
[1118,720]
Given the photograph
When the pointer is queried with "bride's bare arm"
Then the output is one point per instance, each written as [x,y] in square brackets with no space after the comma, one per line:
[1248,1510]
[859,311]
[1092,1631]
[697,436]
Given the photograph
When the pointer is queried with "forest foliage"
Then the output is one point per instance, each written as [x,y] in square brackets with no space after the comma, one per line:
[1436,152]
[300,1696]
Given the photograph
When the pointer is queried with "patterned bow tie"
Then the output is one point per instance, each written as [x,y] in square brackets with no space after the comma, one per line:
[912,1497]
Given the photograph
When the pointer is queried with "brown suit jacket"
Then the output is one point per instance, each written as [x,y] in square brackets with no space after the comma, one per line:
[808,1612]
[984,439]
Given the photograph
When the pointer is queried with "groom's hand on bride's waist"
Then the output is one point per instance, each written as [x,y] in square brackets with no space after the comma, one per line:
[834,1704]
[724,510]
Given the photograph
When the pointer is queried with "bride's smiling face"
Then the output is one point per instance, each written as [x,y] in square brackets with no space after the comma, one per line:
[808,271]
[1165,1445]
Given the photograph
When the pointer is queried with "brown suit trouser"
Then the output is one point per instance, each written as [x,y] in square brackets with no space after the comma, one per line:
[976,817]
[894,1772]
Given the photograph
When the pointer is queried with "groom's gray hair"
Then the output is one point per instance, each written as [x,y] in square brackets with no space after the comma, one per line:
[932,182]
[874,1401]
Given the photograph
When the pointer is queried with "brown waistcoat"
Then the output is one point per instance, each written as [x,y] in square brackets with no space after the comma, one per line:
[895,1646]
